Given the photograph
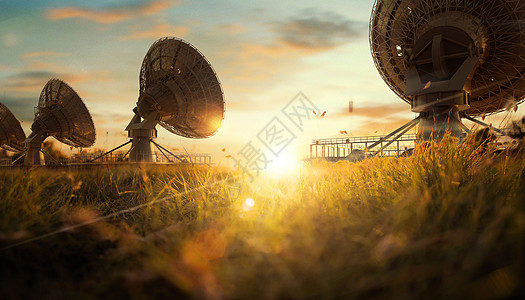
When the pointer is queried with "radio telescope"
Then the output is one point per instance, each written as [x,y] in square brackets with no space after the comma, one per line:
[62,114]
[450,59]
[11,134]
[178,90]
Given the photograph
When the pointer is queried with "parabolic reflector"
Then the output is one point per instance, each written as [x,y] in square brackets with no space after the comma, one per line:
[11,134]
[492,31]
[62,114]
[178,89]
[178,82]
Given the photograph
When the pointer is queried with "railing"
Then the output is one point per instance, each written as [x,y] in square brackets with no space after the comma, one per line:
[117,157]
[360,139]
[120,156]
[342,148]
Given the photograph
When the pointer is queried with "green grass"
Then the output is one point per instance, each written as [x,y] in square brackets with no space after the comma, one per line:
[446,223]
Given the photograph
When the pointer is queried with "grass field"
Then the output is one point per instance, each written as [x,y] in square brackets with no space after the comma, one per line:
[446,223]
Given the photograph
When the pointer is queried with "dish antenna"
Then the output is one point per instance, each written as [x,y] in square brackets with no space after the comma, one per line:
[62,114]
[450,59]
[11,134]
[178,90]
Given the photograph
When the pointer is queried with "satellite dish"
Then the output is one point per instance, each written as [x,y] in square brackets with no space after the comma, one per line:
[62,114]
[178,90]
[449,59]
[11,134]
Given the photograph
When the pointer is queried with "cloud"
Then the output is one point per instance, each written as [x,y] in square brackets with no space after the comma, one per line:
[296,38]
[260,62]
[34,81]
[157,31]
[318,31]
[44,54]
[28,81]
[113,15]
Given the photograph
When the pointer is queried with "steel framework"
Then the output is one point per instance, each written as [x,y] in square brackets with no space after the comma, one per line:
[359,147]
[495,27]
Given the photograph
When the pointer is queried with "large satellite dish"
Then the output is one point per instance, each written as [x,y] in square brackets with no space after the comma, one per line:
[178,90]
[11,134]
[450,58]
[62,114]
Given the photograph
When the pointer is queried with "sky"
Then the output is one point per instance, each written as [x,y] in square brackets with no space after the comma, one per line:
[264,53]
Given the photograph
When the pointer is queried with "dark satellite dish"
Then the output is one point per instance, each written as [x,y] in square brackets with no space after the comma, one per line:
[450,59]
[11,134]
[178,90]
[62,114]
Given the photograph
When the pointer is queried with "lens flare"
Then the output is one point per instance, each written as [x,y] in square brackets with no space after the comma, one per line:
[248,204]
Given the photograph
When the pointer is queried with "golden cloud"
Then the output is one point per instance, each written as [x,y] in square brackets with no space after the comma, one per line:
[157,31]
[111,15]
[44,54]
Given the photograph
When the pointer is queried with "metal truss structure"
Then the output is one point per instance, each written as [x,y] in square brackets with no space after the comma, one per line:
[494,33]
[451,59]
[356,148]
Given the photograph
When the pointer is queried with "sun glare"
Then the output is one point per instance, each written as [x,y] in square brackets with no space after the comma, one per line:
[285,164]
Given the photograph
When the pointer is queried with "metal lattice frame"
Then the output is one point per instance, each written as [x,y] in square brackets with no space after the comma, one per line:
[496,26]
[200,103]
[61,104]
[11,134]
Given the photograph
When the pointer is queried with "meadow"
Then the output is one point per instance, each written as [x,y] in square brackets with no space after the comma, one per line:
[445,223]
